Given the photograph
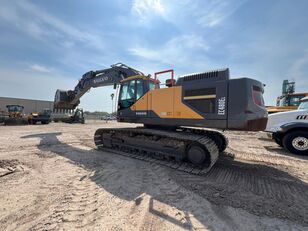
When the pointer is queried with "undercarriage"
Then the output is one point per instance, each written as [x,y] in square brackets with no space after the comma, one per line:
[186,149]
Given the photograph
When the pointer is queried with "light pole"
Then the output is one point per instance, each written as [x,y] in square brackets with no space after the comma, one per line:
[112,96]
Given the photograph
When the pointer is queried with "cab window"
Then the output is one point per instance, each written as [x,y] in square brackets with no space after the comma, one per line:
[303,105]
[140,90]
[128,90]
[295,100]
[127,94]
[151,85]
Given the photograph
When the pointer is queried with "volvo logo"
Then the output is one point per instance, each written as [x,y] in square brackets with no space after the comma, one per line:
[141,113]
[102,79]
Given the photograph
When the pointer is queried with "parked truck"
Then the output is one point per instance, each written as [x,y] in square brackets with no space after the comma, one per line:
[290,129]
[42,117]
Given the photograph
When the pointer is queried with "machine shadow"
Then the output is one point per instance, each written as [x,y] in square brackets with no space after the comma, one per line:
[272,146]
[283,152]
[114,174]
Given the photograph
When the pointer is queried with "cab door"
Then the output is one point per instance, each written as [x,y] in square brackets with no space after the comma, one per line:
[127,98]
[141,105]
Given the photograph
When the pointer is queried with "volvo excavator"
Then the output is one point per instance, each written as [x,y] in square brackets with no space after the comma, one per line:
[178,120]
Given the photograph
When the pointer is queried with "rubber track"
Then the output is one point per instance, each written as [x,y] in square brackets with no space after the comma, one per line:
[204,140]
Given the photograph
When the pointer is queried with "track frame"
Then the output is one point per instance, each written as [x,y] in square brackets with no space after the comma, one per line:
[167,148]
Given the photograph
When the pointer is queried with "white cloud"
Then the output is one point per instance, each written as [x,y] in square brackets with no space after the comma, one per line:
[39,24]
[178,50]
[39,68]
[145,9]
[208,13]
[217,11]
[144,52]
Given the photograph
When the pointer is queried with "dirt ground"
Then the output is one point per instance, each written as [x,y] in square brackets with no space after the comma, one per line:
[53,178]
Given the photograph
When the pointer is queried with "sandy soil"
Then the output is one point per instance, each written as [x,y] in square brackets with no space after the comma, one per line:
[53,178]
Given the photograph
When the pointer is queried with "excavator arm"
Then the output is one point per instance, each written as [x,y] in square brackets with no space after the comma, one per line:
[70,99]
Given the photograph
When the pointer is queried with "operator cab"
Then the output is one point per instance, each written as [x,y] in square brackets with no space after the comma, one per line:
[134,88]
[15,108]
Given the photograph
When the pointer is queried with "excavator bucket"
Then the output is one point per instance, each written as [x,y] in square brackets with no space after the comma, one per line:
[63,100]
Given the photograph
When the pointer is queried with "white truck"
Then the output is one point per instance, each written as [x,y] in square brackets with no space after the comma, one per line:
[290,129]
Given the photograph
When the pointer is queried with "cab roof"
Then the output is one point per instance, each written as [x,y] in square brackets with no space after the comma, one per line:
[139,77]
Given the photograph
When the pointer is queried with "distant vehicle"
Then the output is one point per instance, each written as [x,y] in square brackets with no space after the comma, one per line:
[290,129]
[77,117]
[41,117]
[15,115]
[3,114]
[289,100]
[108,117]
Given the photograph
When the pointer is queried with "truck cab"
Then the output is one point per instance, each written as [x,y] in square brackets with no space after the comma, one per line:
[290,129]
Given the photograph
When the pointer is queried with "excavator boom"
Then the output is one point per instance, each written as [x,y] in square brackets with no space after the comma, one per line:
[92,79]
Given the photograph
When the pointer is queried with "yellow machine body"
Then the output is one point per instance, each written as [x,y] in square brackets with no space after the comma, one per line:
[166,103]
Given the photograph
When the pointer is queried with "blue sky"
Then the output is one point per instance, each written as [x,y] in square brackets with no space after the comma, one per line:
[45,45]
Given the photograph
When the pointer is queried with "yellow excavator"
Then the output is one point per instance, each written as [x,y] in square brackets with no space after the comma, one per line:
[176,119]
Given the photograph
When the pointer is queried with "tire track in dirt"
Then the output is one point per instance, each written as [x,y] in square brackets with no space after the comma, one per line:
[247,186]
[163,193]
[78,201]
[76,209]
[275,159]
[274,193]
[29,206]
[127,179]
[260,189]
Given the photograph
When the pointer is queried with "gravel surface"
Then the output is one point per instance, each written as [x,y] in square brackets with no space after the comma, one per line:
[53,178]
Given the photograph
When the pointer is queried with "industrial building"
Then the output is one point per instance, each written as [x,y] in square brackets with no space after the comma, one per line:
[30,105]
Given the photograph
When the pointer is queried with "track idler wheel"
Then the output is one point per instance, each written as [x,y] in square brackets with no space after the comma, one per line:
[197,155]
